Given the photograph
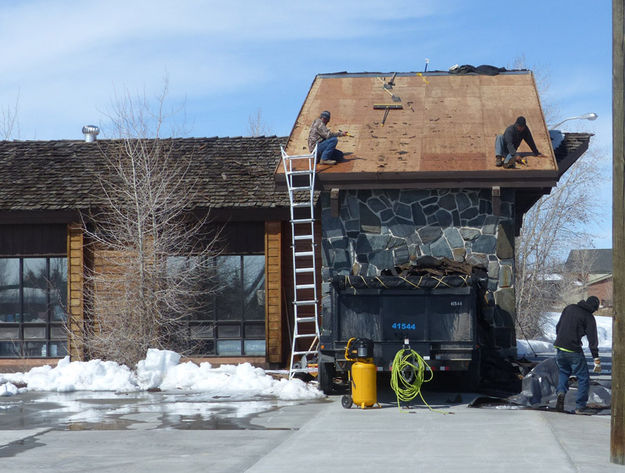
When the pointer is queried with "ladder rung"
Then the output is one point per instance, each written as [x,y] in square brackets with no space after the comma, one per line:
[305,286]
[305,335]
[309,352]
[296,189]
[304,253]
[300,172]
[301,204]
[303,220]
[305,270]
[303,237]
[305,302]
[305,319]
[304,370]
[299,156]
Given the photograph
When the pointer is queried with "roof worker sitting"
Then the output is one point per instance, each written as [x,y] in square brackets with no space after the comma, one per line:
[508,143]
[325,140]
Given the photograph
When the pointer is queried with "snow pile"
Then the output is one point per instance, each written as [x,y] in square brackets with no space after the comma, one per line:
[160,369]
[157,363]
[8,389]
[240,381]
[550,319]
[94,375]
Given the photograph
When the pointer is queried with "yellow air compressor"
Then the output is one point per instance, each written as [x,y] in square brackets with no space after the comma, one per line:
[362,374]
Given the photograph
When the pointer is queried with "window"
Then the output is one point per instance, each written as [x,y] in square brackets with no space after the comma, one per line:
[33,295]
[231,320]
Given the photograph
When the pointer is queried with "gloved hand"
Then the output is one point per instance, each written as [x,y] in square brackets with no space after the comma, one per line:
[597,368]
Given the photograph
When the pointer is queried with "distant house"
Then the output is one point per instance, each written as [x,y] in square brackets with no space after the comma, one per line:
[424,183]
[592,271]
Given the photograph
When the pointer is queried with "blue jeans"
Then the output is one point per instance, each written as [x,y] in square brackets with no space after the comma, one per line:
[502,150]
[573,364]
[327,150]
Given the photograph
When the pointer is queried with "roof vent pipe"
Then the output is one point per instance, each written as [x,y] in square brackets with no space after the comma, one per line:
[91,132]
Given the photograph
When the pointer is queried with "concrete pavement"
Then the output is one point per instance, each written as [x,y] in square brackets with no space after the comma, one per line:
[322,436]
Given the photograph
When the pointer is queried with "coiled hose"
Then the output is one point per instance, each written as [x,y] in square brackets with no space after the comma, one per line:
[408,375]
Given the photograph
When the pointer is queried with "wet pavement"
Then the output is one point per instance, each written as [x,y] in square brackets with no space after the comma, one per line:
[131,411]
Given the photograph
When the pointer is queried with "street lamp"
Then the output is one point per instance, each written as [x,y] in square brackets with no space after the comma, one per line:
[587,116]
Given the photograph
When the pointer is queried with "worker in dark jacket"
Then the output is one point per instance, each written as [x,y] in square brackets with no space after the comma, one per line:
[325,140]
[506,145]
[575,322]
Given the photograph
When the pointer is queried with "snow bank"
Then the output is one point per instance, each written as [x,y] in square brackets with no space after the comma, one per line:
[160,369]
[550,320]
[8,389]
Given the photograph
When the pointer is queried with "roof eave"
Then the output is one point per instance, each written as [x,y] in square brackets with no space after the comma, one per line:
[432,180]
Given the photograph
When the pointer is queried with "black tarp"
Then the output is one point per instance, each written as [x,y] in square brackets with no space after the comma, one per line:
[539,392]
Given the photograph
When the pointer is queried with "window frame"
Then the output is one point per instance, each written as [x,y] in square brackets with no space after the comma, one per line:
[214,323]
[48,344]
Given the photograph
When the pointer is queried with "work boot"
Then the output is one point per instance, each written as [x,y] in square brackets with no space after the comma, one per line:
[585,411]
[498,161]
[560,402]
[328,161]
[509,165]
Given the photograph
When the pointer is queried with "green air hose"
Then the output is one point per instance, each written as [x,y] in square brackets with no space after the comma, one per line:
[408,375]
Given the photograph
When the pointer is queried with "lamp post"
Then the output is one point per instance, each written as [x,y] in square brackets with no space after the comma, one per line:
[587,116]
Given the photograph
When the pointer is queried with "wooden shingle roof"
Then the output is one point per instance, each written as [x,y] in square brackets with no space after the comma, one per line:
[62,175]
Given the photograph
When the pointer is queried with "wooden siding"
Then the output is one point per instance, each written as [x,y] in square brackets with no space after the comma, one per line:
[273,292]
[75,292]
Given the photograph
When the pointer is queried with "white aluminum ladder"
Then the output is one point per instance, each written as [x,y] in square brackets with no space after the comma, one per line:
[299,172]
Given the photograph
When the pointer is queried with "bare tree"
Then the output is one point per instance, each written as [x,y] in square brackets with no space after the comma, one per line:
[9,123]
[548,229]
[152,259]
[256,125]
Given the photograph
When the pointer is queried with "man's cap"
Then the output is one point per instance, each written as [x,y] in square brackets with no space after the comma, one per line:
[593,302]
[520,121]
[325,114]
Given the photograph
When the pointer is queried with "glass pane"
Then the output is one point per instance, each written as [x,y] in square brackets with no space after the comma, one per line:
[35,349]
[254,330]
[230,294]
[9,333]
[203,347]
[253,286]
[202,330]
[58,288]
[35,284]
[11,349]
[58,349]
[58,332]
[9,290]
[228,347]
[34,332]
[254,347]
[229,331]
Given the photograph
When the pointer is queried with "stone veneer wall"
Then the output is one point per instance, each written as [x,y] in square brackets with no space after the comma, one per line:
[383,228]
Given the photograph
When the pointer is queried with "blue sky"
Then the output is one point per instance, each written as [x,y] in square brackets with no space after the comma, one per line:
[66,60]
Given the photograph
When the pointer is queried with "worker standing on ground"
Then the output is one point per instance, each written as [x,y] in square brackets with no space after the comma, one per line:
[325,140]
[506,145]
[575,322]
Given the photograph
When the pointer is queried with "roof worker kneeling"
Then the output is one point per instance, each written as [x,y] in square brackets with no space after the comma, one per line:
[325,140]
[506,145]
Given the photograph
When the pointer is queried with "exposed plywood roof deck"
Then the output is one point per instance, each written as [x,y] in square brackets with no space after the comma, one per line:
[442,137]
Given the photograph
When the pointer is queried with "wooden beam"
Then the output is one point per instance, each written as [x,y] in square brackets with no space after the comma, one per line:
[75,291]
[273,292]
[617,437]
[496,197]
[334,202]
